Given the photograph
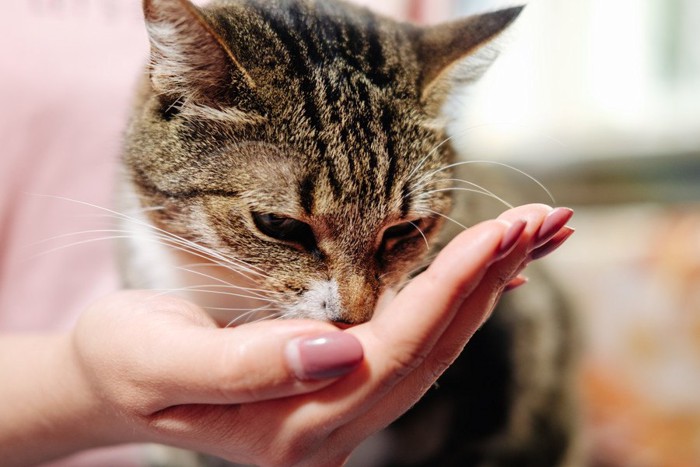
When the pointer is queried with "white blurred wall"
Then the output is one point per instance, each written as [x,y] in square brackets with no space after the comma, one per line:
[590,78]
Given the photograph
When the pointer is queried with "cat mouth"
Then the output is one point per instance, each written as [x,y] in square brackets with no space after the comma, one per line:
[343,326]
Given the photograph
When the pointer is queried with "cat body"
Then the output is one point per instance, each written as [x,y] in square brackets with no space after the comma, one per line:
[288,158]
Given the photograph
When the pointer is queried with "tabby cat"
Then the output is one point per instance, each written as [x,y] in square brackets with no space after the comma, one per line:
[288,158]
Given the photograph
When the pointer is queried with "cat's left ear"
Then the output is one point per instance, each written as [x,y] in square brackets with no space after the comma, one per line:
[458,53]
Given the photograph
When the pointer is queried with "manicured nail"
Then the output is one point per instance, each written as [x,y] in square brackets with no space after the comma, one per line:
[510,238]
[552,224]
[519,281]
[325,356]
[555,242]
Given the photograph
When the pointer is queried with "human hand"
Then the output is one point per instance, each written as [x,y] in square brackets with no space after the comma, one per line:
[157,369]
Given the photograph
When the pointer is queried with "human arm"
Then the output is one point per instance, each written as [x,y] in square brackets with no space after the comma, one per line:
[155,369]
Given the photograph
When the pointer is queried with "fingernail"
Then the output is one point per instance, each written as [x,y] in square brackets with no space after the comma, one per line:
[510,238]
[519,281]
[552,224]
[556,241]
[325,356]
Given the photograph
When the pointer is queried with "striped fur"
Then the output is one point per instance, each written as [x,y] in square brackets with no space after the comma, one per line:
[318,111]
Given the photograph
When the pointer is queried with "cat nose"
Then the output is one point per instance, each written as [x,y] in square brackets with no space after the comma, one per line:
[358,297]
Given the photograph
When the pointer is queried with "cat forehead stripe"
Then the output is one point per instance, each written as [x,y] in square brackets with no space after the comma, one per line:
[345,95]
[306,194]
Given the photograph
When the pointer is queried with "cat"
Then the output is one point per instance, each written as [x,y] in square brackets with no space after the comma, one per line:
[290,158]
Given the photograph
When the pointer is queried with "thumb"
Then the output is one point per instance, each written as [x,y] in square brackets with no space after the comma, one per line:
[254,362]
[169,352]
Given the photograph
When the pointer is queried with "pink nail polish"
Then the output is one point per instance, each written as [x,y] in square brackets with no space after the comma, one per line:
[552,224]
[325,356]
[519,281]
[555,242]
[511,237]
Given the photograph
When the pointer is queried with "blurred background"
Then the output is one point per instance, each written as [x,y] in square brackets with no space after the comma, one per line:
[599,100]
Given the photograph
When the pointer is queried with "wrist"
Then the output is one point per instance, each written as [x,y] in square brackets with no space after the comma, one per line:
[51,410]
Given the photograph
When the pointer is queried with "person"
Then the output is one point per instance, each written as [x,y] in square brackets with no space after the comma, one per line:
[142,367]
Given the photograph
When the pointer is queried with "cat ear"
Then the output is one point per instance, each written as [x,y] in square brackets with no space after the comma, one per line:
[458,52]
[190,66]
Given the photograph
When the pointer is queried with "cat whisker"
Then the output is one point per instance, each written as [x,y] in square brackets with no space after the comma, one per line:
[247,316]
[444,216]
[427,156]
[284,315]
[177,104]
[162,292]
[211,264]
[75,234]
[458,180]
[208,288]
[212,254]
[423,180]
[133,211]
[223,283]
[165,240]
[471,190]
[225,308]
[124,234]
[208,255]
[425,239]
[79,243]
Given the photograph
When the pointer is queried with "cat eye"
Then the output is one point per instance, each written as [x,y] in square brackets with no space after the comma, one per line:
[285,229]
[404,231]
[401,230]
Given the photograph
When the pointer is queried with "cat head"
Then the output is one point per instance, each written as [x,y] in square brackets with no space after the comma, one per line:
[303,140]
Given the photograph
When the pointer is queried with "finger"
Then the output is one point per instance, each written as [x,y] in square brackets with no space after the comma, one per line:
[411,324]
[473,311]
[557,240]
[173,355]
[401,337]
[261,361]
[542,228]
[471,280]
[518,282]
[425,307]
[499,276]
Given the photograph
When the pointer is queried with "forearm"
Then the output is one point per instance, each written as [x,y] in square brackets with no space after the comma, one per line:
[47,409]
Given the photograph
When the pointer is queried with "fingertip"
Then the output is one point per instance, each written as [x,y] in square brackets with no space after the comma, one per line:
[515,283]
[552,224]
[525,211]
[325,356]
[553,244]
[510,238]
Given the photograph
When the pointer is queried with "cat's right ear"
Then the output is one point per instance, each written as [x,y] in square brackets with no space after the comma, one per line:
[191,69]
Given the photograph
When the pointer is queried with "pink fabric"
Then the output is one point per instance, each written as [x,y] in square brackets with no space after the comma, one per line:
[67,70]
[66,80]
[67,73]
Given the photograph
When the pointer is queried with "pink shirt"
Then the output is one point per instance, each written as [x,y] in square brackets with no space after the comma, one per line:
[67,70]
